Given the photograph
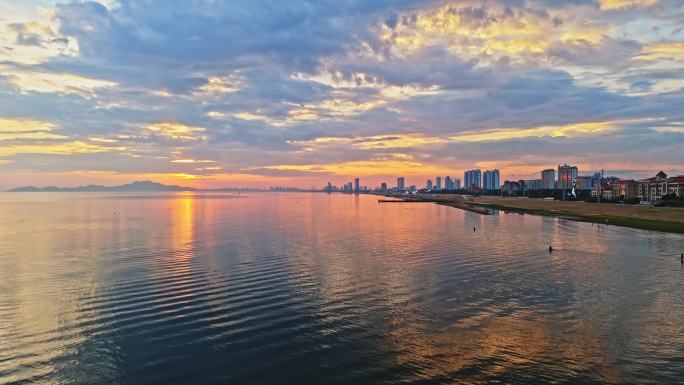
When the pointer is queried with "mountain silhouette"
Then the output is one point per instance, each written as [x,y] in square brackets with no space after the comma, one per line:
[130,187]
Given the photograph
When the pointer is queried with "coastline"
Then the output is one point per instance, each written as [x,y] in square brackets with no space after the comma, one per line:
[663,219]
[644,218]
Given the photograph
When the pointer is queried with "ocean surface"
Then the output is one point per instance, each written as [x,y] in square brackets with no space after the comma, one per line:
[297,288]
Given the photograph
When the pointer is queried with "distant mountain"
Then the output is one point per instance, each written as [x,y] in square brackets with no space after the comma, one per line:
[137,186]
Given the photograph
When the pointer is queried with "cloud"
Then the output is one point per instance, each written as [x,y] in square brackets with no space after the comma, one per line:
[622,4]
[192,161]
[662,51]
[15,129]
[256,91]
[176,131]
[33,42]
[28,81]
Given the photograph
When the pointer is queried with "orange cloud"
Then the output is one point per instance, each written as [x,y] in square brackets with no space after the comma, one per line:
[177,131]
[17,129]
[662,51]
[609,5]
[30,81]
[470,30]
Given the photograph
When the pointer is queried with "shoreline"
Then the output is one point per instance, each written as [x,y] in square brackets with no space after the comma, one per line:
[668,220]
[636,222]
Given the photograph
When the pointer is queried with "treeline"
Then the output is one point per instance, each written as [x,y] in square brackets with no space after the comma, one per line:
[669,200]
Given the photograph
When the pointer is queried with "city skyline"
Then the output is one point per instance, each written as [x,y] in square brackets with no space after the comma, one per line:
[568,177]
[112,92]
[546,179]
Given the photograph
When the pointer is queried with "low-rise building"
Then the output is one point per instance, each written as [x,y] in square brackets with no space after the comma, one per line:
[676,186]
[627,189]
[512,187]
[533,184]
[585,182]
[652,189]
[607,190]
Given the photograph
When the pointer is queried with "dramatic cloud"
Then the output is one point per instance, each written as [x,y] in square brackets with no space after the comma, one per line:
[295,92]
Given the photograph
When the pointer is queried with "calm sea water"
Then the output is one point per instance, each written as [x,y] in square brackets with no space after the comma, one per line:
[328,289]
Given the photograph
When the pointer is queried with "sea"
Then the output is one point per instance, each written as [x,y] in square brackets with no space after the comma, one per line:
[315,288]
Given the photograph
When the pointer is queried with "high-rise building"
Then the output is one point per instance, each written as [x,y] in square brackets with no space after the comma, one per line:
[567,175]
[457,184]
[357,186]
[412,187]
[349,187]
[428,185]
[491,180]
[448,183]
[400,183]
[438,183]
[548,178]
[472,179]
[383,186]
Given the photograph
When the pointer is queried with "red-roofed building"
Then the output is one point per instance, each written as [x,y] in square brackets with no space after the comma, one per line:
[653,189]
[675,186]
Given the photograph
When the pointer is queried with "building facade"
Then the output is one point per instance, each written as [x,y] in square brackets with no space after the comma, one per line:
[585,183]
[628,189]
[357,185]
[511,187]
[400,183]
[532,184]
[548,178]
[438,183]
[490,180]
[428,185]
[567,175]
[653,189]
[606,190]
[472,180]
[457,184]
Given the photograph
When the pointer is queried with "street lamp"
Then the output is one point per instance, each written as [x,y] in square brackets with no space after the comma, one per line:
[600,187]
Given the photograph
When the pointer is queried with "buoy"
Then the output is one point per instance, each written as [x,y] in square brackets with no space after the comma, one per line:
[550,249]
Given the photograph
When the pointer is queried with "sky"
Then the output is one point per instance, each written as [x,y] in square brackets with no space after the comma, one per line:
[212,93]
